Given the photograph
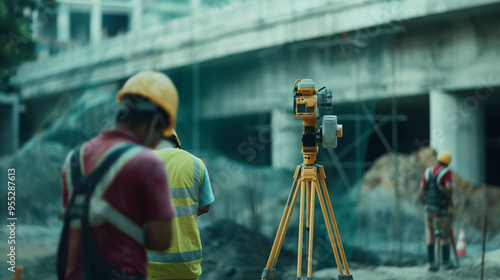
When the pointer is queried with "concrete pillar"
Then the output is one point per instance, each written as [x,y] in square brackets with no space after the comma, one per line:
[136,16]
[63,23]
[96,22]
[286,136]
[9,123]
[457,125]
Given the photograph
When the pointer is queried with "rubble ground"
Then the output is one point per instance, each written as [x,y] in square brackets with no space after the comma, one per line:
[468,269]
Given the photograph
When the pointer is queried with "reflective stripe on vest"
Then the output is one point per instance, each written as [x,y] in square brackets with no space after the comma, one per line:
[185,211]
[100,210]
[174,257]
[184,192]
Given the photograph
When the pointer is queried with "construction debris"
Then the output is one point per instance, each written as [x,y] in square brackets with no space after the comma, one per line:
[401,174]
[469,269]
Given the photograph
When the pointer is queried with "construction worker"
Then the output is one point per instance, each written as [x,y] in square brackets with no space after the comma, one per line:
[191,195]
[436,191]
[115,190]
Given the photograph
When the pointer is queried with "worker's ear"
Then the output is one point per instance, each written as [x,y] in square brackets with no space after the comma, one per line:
[159,123]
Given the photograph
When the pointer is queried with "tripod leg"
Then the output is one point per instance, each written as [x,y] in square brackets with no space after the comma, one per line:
[311,230]
[301,230]
[307,188]
[308,205]
[279,234]
[329,228]
[334,224]
[287,222]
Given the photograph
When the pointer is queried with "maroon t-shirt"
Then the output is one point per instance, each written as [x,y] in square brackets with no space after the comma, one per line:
[139,193]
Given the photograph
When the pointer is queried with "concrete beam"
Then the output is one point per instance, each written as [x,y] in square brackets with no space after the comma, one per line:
[169,7]
[113,7]
[245,28]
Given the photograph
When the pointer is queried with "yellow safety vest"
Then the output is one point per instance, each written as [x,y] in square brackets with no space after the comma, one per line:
[183,259]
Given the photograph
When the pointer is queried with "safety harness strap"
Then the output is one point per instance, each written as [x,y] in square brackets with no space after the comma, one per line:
[435,194]
[434,180]
[78,210]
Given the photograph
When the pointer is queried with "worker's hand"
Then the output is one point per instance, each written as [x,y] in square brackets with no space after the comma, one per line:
[203,209]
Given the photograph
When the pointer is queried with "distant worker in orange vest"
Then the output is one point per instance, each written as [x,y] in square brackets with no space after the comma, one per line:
[191,195]
[436,190]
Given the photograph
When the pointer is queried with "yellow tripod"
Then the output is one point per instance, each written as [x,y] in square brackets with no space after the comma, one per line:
[307,179]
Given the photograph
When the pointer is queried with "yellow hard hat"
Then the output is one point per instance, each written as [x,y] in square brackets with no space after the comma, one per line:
[174,135]
[444,157]
[159,89]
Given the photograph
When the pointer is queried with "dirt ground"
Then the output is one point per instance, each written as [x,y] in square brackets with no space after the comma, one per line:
[468,269]
[232,251]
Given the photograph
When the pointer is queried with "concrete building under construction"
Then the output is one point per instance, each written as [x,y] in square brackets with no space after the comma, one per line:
[404,75]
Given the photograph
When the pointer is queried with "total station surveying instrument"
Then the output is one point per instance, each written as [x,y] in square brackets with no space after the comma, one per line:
[307,102]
